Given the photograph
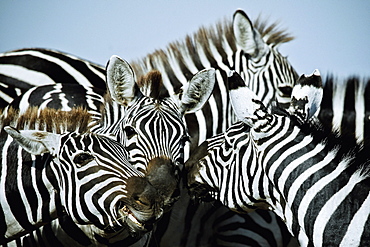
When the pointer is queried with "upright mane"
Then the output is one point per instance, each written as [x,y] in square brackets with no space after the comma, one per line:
[215,35]
[51,120]
[151,84]
[341,142]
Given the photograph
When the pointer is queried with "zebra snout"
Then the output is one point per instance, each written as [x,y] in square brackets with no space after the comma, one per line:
[163,174]
[201,192]
[143,194]
[198,189]
[142,206]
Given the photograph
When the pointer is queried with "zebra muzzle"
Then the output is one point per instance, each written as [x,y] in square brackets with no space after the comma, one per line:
[127,217]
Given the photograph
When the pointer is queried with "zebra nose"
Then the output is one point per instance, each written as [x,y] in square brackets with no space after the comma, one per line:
[143,194]
[163,175]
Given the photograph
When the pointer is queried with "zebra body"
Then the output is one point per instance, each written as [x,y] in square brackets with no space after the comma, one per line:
[312,179]
[61,96]
[87,177]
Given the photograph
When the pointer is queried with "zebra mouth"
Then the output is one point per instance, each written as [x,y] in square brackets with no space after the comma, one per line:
[202,192]
[127,217]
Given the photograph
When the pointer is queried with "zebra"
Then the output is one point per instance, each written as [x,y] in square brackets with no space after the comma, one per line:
[314,180]
[150,128]
[49,171]
[258,60]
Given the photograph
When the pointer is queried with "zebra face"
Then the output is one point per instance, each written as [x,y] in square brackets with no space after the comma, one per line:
[154,135]
[94,181]
[212,172]
[266,72]
[152,128]
[98,185]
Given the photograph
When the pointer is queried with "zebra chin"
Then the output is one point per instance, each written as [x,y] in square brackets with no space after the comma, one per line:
[136,222]
[140,209]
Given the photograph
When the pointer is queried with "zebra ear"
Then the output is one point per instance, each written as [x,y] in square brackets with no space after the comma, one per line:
[246,36]
[120,81]
[197,91]
[248,108]
[306,96]
[34,141]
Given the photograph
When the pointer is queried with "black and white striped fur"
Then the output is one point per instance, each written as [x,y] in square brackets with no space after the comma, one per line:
[197,51]
[239,46]
[151,129]
[82,176]
[313,179]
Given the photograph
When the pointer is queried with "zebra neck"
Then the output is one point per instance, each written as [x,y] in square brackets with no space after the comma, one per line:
[27,197]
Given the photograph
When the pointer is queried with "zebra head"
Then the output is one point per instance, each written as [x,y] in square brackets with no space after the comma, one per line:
[94,181]
[226,167]
[152,128]
[266,72]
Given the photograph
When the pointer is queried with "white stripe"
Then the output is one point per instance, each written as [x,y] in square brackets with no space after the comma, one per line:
[357,225]
[202,56]
[187,59]
[20,73]
[36,190]
[202,125]
[317,187]
[216,55]
[214,112]
[68,68]
[20,186]
[338,104]
[330,207]
[360,110]
[97,72]
[5,97]
[174,64]
[228,50]
[12,224]
[224,96]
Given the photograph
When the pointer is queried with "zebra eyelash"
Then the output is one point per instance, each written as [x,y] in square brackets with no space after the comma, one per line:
[82,158]
[130,131]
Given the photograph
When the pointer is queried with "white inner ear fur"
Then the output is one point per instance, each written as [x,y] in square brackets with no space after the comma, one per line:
[244,107]
[197,91]
[36,142]
[314,96]
[121,81]
[247,37]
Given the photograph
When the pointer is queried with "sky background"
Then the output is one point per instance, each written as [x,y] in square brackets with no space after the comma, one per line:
[332,36]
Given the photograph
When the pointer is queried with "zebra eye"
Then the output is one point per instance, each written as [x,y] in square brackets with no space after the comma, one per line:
[130,131]
[82,159]
[287,91]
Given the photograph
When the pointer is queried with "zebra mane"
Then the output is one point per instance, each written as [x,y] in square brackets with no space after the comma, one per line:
[51,120]
[217,34]
[344,144]
[151,84]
